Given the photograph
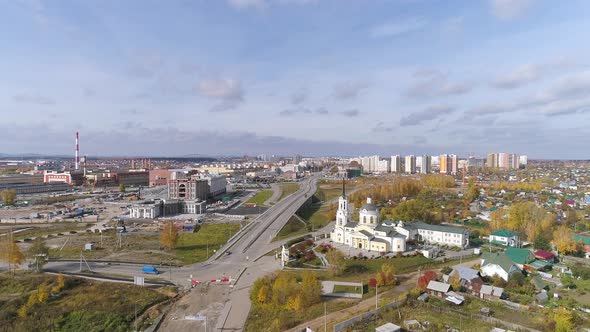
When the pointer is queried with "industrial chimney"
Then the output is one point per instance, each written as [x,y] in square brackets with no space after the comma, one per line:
[77,165]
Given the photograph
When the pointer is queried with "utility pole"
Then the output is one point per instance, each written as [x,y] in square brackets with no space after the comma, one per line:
[325,317]
[376,296]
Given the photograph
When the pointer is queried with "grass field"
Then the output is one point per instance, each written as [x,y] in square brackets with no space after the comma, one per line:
[293,227]
[82,305]
[288,188]
[192,247]
[261,197]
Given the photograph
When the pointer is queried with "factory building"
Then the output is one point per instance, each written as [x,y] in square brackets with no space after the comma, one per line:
[54,176]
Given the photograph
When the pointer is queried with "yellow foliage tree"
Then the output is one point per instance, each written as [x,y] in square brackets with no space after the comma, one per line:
[386,276]
[564,320]
[61,282]
[169,236]
[563,239]
[295,303]
[455,281]
[10,252]
[262,296]
[8,196]
[311,289]
[42,293]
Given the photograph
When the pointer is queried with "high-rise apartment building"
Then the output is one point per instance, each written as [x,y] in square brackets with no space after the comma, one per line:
[426,164]
[449,164]
[503,160]
[410,164]
[384,166]
[396,164]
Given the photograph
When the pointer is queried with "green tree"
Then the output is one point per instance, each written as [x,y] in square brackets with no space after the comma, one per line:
[38,252]
[336,259]
[413,210]
[541,243]
[122,188]
[8,196]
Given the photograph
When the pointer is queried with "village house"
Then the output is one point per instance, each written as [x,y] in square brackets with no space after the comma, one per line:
[497,264]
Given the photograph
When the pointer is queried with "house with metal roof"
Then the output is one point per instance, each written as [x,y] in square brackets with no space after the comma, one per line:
[520,256]
[504,238]
[490,292]
[497,264]
[437,288]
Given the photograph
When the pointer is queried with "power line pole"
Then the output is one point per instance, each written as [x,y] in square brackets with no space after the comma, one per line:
[325,317]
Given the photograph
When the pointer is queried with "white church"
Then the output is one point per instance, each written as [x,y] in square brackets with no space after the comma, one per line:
[389,236]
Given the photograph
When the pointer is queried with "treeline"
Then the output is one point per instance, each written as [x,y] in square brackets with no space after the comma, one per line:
[537,225]
[517,186]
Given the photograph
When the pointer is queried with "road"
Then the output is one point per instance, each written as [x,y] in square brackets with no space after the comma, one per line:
[246,261]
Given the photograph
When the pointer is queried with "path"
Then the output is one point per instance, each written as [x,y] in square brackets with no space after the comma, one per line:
[363,306]
[277,191]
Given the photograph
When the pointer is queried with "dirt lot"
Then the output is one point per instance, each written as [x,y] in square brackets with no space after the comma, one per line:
[209,303]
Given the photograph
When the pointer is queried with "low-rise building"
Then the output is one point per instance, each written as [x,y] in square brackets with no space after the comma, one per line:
[437,288]
[504,237]
[497,264]
[520,256]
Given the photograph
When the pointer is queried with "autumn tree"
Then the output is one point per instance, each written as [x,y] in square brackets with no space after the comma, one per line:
[10,252]
[60,284]
[311,289]
[455,281]
[283,288]
[169,236]
[563,238]
[122,188]
[425,278]
[8,196]
[564,320]
[386,276]
[413,210]
[38,252]
[336,259]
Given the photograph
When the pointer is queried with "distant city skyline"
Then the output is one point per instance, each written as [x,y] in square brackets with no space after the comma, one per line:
[309,77]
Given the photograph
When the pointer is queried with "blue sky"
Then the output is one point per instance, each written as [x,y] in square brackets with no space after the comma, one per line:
[315,77]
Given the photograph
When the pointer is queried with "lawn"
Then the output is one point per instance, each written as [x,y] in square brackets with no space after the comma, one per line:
[192,247]
[288,188]
[82,305]
[348,289]
[293,227]
[261,197]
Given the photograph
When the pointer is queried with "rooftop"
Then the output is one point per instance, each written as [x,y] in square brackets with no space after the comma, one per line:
[503,233]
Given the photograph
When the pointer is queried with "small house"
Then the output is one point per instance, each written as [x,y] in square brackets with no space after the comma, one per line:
[497,264]
[545,255]
[542,297]
[436,288]
[520,256]
[388,327]
[491,292]
[504,237]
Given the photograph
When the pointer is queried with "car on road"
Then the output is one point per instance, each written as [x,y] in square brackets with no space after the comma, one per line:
[148,269]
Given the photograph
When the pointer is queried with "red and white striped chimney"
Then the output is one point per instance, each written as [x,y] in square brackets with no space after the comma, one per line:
[77,152]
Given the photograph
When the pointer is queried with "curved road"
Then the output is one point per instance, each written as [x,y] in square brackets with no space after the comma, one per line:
[246,261]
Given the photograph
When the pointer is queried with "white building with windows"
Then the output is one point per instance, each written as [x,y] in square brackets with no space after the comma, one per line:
[389,236]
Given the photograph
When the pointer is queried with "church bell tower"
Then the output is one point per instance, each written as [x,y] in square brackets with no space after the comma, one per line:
[342,213]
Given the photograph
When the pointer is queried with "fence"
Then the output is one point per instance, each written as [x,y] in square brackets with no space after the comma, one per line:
[342,325]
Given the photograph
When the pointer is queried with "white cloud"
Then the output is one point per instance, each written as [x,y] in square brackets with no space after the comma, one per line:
[427,114]
[349,90]
[393,29]
[509,9]
[519,77]
[33,99]
[432,83]
[224,89]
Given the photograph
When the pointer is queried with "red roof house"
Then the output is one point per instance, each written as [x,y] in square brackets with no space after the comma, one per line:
[544,255]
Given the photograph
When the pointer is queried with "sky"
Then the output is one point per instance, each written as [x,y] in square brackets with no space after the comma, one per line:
[312,77]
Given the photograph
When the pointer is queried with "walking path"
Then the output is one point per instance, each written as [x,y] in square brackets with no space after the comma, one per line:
[277,191]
